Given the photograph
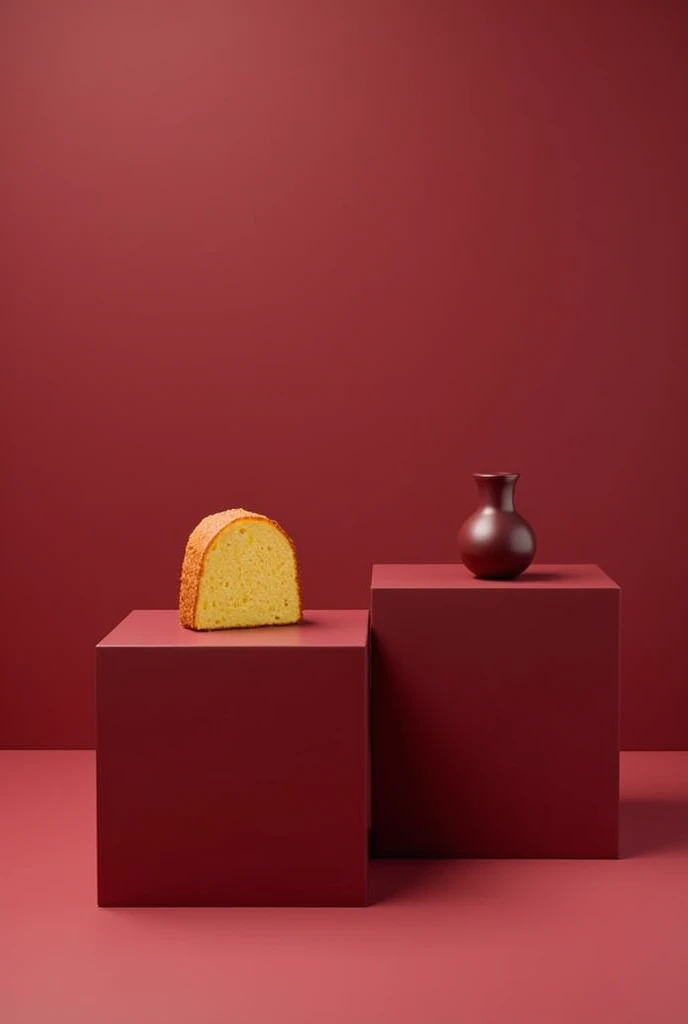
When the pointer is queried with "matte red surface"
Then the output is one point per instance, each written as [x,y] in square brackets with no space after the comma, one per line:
[328,259]
[480,942]
[495,713]
[161,628]
[452,576]
[233,765]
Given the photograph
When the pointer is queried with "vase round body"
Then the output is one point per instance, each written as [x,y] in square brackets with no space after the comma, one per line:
[496,543]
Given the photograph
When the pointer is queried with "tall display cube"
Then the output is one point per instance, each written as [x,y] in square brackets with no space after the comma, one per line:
[495,713]
[233,766]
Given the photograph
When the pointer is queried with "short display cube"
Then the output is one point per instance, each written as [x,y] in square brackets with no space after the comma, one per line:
[233,766]
[495,714]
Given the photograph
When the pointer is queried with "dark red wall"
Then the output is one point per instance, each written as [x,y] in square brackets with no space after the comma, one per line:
[324,260]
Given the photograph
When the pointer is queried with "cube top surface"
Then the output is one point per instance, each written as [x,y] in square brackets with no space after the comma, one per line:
[161,628]
[455,576]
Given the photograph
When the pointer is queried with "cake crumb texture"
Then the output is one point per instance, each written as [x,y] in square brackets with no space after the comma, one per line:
[239,569]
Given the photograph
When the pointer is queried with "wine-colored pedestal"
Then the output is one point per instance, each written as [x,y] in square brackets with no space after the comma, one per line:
[232,766]
[495,713]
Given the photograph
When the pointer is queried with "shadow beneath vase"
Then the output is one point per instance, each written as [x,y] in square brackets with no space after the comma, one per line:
[541,577]
[653,826]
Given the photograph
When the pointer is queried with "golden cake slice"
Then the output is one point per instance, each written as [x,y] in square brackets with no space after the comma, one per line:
[239,569]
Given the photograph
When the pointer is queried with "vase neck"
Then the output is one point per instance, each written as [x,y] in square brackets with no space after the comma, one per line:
[496,490]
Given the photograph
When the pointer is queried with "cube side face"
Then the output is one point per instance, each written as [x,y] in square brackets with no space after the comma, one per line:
[495,718]
[232,777]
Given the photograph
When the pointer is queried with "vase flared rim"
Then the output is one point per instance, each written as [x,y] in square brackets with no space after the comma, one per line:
[496,476]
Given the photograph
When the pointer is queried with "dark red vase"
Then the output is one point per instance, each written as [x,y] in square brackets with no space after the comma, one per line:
[496,543]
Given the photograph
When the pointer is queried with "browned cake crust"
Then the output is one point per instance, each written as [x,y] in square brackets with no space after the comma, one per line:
[194,556]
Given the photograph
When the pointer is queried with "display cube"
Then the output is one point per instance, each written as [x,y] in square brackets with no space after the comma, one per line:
[232,766]
[495,713]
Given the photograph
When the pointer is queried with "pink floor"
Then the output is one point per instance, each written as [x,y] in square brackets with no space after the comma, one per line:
[458,942]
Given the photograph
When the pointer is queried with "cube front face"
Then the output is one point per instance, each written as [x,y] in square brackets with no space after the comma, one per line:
[495,721]
[232,776]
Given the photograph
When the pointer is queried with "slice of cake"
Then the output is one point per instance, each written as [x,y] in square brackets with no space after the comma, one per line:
[239,569]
